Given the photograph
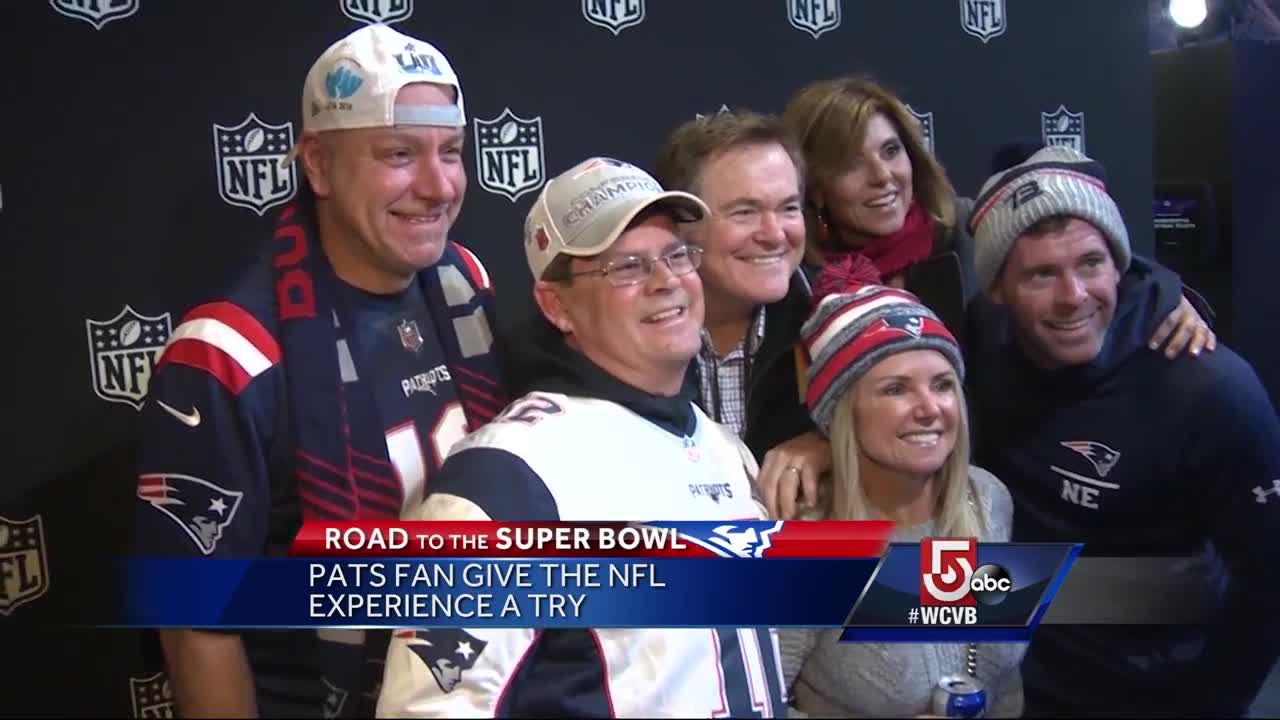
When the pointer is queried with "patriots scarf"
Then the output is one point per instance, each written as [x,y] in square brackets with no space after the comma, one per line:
[344,471]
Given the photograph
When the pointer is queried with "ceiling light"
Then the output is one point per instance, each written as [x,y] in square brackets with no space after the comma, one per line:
[1187,13]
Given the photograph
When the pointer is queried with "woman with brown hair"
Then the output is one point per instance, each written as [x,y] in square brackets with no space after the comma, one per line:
[874,190]
[873,184]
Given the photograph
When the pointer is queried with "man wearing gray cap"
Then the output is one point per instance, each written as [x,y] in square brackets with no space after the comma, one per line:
[1104,441]
[605,435]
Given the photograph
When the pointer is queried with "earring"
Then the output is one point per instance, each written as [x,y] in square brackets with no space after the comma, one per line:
[822,231]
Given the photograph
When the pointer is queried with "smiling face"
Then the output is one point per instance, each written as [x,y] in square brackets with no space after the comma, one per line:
[1059,284]
[387,196]
[906,411]
[754,239]
[643,334]
[871,198]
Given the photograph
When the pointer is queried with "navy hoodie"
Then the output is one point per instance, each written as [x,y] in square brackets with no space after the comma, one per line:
[1134,455]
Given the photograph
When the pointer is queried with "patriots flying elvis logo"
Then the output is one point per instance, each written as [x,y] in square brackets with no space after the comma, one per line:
[447,652]
[1102,457]
[203,510]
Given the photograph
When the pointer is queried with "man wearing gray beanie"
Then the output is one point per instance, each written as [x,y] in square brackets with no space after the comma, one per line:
[1055,180]
[1101,440]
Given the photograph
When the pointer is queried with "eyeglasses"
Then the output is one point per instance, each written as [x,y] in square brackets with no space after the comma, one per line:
[635,269]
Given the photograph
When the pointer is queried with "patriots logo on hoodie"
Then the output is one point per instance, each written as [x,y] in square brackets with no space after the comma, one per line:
[203,510]
[1102,457]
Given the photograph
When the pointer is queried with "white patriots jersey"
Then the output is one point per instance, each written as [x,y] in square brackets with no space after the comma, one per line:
[552,457]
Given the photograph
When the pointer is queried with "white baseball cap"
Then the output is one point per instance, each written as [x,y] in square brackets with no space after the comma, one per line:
[354,84]
[584,210]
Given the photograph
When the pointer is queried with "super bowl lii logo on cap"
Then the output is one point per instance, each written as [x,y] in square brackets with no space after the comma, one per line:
[340,84]
[509,157]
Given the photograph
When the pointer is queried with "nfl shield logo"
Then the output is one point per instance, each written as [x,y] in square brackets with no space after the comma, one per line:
[374,12]
[96,12]
[410,338]
[614,15]
[1063,127]
[509,154]
[123,352]
[24,571]
[983,19]
[926,126]
[152,697]
[691,450]
[814,16]
[248,158]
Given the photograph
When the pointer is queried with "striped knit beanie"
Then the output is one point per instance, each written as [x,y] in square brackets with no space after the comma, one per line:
[1054,181]
[848,333]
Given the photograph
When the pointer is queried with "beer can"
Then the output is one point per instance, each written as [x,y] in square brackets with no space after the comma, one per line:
[959,696]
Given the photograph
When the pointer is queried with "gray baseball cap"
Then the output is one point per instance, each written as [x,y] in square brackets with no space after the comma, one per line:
[582,211]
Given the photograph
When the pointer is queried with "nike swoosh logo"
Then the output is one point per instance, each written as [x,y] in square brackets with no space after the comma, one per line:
[191,419]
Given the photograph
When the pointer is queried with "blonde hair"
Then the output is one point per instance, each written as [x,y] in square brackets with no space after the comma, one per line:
[830,117]
[958,513]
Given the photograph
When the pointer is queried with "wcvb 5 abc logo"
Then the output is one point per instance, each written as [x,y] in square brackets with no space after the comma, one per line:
[950,575]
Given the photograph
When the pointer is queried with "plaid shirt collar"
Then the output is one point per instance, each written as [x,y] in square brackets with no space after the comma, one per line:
[753,340]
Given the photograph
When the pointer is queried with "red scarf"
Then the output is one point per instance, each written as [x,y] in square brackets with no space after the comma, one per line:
[912,243]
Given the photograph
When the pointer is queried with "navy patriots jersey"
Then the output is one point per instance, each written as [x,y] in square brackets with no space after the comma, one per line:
[1137,455]
[218,475]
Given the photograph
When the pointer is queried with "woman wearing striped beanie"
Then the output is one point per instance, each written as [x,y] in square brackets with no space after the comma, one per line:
[884,385]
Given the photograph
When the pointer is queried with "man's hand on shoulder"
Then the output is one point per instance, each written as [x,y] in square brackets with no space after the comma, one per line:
[1184,330]
[789,475]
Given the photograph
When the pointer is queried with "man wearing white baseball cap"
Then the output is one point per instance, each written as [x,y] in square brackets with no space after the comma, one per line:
[605,435]
[323,383]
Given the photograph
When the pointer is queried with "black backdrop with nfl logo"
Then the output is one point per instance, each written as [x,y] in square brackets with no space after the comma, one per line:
[140,139]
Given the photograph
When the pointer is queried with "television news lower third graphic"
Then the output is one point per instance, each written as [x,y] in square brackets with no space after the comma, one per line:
[947,587]
[486,575]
